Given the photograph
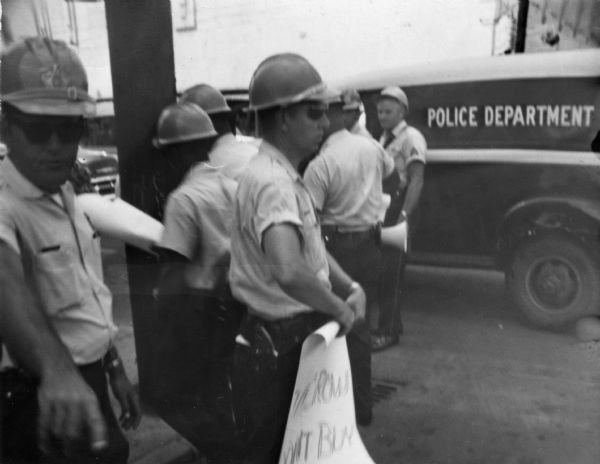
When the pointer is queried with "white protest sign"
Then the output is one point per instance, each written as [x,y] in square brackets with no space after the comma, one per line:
[321,426]
[118,219]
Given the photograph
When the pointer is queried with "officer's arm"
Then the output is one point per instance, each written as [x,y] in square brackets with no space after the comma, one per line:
[416,174]
[68,407]
[343,286]
[282,248]
[179,240]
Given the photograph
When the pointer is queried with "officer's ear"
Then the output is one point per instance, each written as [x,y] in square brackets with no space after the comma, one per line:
[289,113]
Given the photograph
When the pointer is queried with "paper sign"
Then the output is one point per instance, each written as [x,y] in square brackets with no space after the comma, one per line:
[321,426]
[118,219]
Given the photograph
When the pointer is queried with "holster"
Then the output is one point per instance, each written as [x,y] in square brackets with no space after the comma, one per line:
[270,339]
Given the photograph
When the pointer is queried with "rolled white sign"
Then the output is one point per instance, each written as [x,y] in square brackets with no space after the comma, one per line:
[321,426]
[118,219]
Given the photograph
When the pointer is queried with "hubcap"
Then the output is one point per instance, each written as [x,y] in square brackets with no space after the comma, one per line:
[554,284]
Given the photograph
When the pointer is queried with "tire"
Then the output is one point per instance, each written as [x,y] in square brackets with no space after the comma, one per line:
[553,279]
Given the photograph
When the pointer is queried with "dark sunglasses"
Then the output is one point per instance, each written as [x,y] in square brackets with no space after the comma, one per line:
[39,130]
[315,112]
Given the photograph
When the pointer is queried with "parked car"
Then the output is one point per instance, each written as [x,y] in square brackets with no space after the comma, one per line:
[511,182]
[94,171]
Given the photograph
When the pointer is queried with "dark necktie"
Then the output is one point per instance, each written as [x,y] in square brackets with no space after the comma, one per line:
[389,138]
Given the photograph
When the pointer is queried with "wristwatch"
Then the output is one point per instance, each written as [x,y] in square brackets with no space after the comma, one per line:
[111,362]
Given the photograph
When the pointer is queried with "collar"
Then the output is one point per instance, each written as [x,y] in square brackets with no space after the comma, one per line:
[399,128]
[18,182]
[200,168]
[276,155]
[335,136]
[225,139]
[28,191]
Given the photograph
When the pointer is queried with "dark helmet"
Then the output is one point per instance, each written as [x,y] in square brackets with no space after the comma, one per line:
[206,97]
[44,76]
[285,79]
[183,122]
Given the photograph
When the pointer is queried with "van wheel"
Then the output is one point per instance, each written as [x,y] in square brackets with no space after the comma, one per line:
[554,280]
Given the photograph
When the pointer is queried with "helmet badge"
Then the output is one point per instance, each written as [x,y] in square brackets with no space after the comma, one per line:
[53,77]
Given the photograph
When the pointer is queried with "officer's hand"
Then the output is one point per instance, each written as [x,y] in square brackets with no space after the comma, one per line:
[403,217]
[69,412]
[357,300]
[126,396]
[346,320]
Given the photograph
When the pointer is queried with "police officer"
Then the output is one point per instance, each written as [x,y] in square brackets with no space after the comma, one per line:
[353,110]
[55,311]
[193,287]
[345,180]
[228,152]
[279,266]
[407,146]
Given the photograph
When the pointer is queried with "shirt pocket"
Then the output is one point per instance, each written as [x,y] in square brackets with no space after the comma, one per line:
[311,232]
[56,280]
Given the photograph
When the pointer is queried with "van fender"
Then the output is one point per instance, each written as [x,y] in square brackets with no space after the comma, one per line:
[576,216]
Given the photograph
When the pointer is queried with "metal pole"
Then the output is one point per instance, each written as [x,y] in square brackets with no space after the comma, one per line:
[143,75]
[521,26]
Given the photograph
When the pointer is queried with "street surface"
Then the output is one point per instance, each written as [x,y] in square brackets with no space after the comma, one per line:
[468,384]
[474,385]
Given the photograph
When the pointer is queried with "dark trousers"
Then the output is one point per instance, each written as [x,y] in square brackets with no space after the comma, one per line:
[194,362]
[359,255]
[263,389]
[393,263]
[390,291]
[19,428]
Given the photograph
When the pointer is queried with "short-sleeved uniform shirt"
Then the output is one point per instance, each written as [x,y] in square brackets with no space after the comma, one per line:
[271,192]
[60,251]
[197,221]
[345,179]
[232,155]
[408,146]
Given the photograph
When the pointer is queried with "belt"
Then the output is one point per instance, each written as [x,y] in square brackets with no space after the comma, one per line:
[284,333]
[356,232]
[340,229]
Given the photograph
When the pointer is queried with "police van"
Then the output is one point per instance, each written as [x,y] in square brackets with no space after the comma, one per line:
[511,180]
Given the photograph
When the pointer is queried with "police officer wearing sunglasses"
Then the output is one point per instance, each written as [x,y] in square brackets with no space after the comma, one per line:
[280,269]
[55,311]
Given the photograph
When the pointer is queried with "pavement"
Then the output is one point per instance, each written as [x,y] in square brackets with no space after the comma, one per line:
[468,382]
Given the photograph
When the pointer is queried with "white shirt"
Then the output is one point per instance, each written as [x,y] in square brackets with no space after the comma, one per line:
[345,179]
[197,220]
[232,154]
[271,192]
[408,146]
[64,273]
